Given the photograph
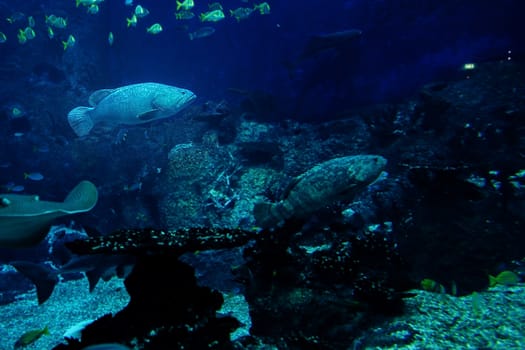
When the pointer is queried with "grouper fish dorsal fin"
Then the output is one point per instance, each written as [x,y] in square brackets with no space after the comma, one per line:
[98,96]
[149,115]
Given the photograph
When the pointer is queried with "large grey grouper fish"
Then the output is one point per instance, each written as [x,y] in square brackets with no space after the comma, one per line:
[336,179]
[129,105]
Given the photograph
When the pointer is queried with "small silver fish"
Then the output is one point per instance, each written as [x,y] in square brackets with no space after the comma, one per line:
[201,33]
[12,187]
[135,187]
[35,176]
[184,15]
[141,12]
[42,149]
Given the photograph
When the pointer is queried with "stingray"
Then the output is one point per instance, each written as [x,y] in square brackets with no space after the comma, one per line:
[25,219]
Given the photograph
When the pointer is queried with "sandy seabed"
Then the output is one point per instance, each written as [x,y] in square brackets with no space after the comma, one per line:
[491,319]
[69,304]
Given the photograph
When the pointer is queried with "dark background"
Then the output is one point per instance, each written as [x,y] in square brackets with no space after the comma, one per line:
[404,45]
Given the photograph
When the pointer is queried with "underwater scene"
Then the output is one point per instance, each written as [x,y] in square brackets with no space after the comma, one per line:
[248,174]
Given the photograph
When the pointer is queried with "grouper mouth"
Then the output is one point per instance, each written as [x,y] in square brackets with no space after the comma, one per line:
[187,98]
[184,100]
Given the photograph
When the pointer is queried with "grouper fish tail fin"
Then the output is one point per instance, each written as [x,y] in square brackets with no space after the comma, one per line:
[80,120]
[44,278]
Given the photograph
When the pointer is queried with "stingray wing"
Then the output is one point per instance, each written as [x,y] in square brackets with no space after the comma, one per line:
[25,219]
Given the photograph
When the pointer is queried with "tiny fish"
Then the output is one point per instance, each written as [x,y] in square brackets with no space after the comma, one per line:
[41,149]
[184,15]
[12,187]
[154,29]
[212,16]
[16,112]
[69,43]
[185,5]
[88,3]
[29,33]
[3,38]
[241,13]
[17,188]
[30,337]
[135,187]
[22,39]
[264,8]
[201,33]
[17,16]
[505,278]
[93,9]
[132,22]
[141,12]
[56,21]
[432,286]
[111,38]
[36,176]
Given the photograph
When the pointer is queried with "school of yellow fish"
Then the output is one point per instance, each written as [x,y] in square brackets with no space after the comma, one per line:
[56,27]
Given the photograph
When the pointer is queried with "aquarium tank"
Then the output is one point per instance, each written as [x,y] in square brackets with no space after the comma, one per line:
[249,174]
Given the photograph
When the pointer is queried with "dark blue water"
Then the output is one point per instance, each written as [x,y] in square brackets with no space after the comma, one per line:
[404,45]
[278,93]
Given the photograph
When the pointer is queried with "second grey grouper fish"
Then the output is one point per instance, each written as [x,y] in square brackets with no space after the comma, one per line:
[325,183]
[129,105]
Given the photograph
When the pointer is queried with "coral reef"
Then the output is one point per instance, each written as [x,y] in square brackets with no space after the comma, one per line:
[317,287]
